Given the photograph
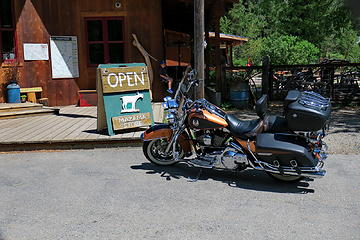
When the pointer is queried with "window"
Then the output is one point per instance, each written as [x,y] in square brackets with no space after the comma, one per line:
[7,30]
[105,39]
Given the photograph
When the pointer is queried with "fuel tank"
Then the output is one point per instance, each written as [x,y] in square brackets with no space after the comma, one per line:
[203,119]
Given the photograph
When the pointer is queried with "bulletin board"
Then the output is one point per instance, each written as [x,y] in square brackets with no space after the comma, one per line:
[64,57]
[36,51]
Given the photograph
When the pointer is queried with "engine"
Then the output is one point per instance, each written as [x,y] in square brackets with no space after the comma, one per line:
[233,159]
[214,145]
[211,138]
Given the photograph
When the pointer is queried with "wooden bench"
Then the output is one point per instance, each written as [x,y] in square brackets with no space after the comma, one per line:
[31,93]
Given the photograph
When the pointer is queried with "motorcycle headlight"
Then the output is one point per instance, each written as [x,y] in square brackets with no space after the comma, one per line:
[172,103]
[167,98]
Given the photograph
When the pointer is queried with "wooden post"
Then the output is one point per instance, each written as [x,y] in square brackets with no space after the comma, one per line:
[207,54]
[218,11]
[265,75]
[218,57]
[199,59]
[231,56]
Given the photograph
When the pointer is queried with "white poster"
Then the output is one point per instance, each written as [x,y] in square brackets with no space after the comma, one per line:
[36,51]
[64,57]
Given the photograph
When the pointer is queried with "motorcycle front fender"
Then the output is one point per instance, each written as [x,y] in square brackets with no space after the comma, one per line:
[163,131]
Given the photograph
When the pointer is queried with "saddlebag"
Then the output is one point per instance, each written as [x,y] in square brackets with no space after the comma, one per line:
[282,148]
[306,111]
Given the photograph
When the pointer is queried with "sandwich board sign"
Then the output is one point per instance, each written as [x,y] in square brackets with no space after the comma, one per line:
[123,97]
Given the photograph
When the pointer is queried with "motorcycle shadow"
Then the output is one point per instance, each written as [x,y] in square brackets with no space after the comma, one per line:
[248,179]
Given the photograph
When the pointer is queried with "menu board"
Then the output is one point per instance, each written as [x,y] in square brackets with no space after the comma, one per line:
[64,57]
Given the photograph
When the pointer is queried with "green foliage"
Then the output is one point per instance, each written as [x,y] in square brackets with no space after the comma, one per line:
[343,45]
[240,62]
[293,31]
[242,21]
[289,50]
[253,49]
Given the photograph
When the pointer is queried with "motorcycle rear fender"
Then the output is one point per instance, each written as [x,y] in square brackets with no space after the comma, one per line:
[163,131]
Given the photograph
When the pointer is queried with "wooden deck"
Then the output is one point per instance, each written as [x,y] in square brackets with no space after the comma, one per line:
[73,124]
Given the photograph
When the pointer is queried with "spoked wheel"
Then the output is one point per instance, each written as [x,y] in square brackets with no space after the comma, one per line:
[154,151]
[285,178]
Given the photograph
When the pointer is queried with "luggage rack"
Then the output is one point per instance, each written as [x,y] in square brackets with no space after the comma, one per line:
[314,100]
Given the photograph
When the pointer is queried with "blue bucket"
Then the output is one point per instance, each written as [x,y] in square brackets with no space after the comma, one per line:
[13,93]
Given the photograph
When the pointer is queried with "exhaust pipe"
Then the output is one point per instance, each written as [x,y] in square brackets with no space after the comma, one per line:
[318,174]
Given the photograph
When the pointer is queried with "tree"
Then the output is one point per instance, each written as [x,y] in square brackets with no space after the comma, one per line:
[322,28]
[285,49]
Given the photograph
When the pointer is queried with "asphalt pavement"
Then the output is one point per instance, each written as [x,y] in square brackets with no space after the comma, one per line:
[117,194]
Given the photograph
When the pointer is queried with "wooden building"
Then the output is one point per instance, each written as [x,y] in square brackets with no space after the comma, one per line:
[103,33]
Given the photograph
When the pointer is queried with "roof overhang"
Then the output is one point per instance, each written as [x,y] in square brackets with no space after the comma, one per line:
[228,38]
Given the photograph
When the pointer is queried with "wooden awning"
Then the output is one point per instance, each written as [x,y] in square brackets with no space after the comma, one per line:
[233,39]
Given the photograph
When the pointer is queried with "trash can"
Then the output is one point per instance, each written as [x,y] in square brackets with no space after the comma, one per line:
[13,93]
[240,98]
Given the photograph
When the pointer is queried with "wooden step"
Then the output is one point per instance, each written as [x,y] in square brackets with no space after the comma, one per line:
[15,107]
[29,113]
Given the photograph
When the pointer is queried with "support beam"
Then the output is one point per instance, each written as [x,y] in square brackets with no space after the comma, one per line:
[231,56]
[199,59]
[218,57]
[218,11]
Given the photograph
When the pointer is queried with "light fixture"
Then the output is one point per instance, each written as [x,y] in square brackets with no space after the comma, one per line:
[118,4]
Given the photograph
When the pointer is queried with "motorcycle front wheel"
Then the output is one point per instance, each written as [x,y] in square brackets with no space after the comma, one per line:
[154,151]
[285,178]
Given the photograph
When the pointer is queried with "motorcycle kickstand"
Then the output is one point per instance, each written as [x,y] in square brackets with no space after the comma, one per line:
[196,178]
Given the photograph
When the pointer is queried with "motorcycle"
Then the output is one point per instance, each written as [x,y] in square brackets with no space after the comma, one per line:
[199,133]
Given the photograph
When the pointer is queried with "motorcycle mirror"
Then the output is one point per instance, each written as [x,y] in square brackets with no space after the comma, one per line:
[192,74]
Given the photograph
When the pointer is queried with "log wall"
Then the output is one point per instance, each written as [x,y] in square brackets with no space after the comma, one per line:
[37,20]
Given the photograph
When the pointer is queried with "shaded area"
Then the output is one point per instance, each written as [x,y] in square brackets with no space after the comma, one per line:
[346,120]
[249,179]
[124,131]
[72,115]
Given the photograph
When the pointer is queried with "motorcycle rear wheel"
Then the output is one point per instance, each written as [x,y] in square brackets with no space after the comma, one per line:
[154,151]
[285,178]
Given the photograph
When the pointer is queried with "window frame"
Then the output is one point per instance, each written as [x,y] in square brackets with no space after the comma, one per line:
[105,34]
[12,29]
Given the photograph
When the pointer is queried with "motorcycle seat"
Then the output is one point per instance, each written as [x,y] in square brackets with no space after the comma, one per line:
[244,129]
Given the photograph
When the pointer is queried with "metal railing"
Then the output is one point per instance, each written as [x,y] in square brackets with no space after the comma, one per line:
[337,80]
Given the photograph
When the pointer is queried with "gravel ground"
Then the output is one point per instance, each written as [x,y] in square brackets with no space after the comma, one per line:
[344,133]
